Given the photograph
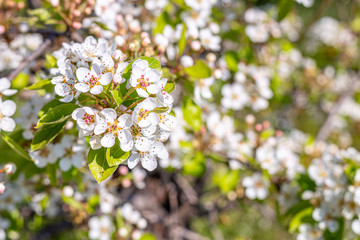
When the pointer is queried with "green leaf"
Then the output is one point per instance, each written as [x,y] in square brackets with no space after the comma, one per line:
[20,81]
[161,22]
[116,156]
[232,60]
[117,97]
[182,40]
[98,165]
[72,202]
[199,70]
[160,110]
[169,87]
[46,134]
[304,216]
[50,60]
[194,164]
[191,113]
[39,85]
[48,106]
[57,114]
[147,236]
[285,6]
[14,146]
[51,171]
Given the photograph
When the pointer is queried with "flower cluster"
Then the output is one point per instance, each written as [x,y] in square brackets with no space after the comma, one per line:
[142,126]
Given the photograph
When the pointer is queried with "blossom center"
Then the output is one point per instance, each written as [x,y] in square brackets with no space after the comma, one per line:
[94,81]
[142,82]
[143,114]
[88,119]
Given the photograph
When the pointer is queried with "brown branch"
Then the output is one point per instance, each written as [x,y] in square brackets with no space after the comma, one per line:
[30,58]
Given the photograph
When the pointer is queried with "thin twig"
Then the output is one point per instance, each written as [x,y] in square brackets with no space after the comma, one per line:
[30,58]
[328,124]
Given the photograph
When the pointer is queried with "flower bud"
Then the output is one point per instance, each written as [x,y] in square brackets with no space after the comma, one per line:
[2,188]
[118,55]
[10,168]
[88,11]
[77,25]
[77,13]
[195,45]
[2,29]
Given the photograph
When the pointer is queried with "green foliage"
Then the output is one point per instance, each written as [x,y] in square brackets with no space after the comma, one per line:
[226,179]
[57,114]
[14,146]
[40,84]
[199,70]
[183,40]
[194,164]
[117,97]
[116,156]
[147,236]
[191,113]
[285,6]
[98,165]
[20,81]
[303,216]
[46,134]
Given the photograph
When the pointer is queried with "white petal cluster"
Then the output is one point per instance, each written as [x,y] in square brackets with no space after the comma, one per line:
[91,66]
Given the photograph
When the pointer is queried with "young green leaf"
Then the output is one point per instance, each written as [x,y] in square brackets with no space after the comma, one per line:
[182,41]
[14,146]
[98,165]
[285,7]
[191,113]
[57,114]
[115,156]
[169,87]
[48,106]
[117,97]
[46,134]
[199,70]
[39,85]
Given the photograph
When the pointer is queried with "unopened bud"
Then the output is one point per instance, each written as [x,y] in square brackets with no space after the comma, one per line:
[250,119]
[2,29]
[2,188]
[87,11]
[77,25]
[123,170]
[146,41]
[211,57]
[77,13]
[118,55]
[196,45]
[132,47]
[10,168]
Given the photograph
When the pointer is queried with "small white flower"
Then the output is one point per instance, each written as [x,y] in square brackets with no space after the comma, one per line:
[256,187]
[101,228]
[85,118]
[209,41]
[93,80]
[4,87]
[7,109]
[234,96]
[113,127]
[163,95]
[147,157]
[44,156]
[143,115]
[144,79]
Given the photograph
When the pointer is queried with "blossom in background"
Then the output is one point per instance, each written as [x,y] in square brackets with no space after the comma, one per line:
[256,187]
[101,228]
[4,87]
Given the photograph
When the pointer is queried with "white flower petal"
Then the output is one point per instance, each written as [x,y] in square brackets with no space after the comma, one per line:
[149,162]
[97,89]
[82,87]
[8,108]
[108,140]
[106,78]
[83,74]
[7,124]
[133,160]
